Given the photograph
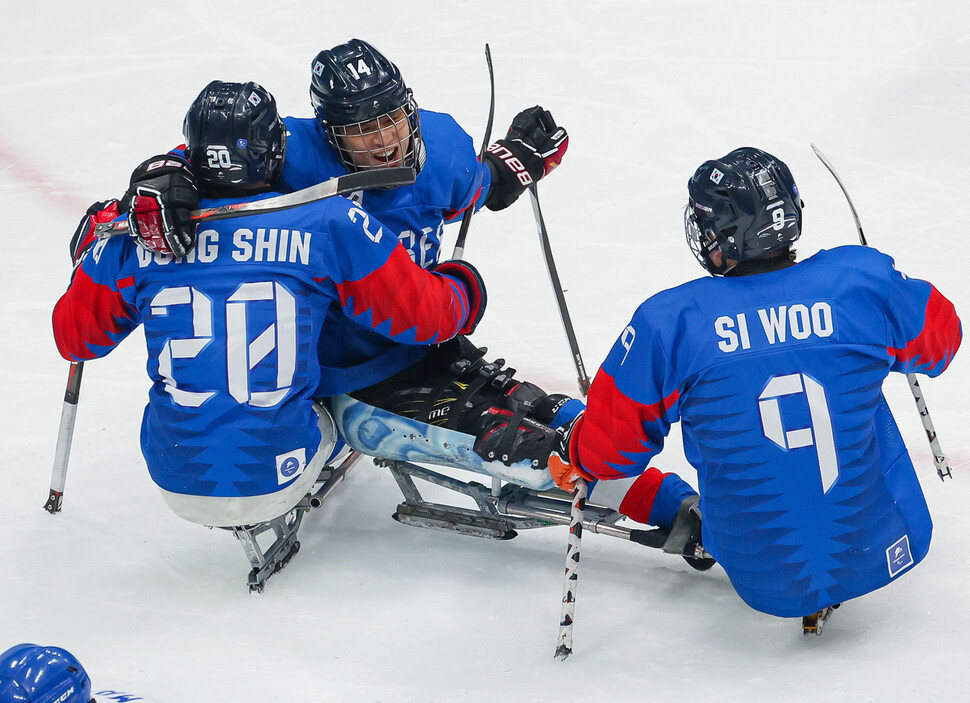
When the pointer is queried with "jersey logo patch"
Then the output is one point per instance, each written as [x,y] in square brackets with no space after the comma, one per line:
[290,465]
[899,556]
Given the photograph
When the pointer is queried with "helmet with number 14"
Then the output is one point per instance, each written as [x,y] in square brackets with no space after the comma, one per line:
[365,108]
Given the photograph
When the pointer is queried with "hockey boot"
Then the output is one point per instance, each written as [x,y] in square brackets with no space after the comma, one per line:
[501,435]
[685,536]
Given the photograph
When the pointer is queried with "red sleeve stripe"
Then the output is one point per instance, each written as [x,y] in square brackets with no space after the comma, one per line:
[88,315]
[638,501]
[613,441]
[940,337]
[410,297]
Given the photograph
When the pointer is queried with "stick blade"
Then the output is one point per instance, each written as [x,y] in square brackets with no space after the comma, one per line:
[54,502]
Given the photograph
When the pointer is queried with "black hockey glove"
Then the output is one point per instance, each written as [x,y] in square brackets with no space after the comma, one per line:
[162,193]
[474,285]
[685,535]
[84,237]
[533,147]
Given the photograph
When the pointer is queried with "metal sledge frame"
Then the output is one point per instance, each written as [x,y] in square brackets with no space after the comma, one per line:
[503,511]
[272,560]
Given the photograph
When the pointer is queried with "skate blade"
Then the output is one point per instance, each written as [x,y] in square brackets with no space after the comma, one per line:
[454,520]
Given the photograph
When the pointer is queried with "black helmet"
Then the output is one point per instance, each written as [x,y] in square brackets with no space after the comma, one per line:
[356,92]
[234,136]
[744,205]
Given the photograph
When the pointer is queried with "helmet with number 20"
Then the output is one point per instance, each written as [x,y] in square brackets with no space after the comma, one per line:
[234,135]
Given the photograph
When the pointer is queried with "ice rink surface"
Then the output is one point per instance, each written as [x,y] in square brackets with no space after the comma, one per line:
[374,611]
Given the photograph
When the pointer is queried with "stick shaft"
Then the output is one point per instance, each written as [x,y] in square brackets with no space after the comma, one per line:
[939,458]
[466,219]
[341,185]
[65,435]
[582,376]
[566,614]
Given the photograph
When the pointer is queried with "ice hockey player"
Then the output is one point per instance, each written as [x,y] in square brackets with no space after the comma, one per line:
[231,434]
[366,117]
[775,369]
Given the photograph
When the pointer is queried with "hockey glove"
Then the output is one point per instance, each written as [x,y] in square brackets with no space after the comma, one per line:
[162,194]
[563,473]
[533,147]
[84,236]
[474,286]
[685,535]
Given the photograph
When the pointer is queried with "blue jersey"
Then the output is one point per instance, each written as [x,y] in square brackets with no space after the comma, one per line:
[232,332]
[451,180]
[808,494]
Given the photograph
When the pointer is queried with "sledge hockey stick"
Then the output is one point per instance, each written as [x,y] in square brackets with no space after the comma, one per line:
[567,324]
[64,436]
[341,185]
[939,458]
[571,580]
[466,219]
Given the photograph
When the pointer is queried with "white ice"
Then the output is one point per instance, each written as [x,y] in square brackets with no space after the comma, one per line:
[374,611]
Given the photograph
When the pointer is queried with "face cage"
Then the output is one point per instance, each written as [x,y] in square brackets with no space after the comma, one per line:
[385,127]
[701,245]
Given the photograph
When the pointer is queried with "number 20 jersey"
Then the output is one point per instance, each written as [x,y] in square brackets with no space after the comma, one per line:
[808,494]
[233,330]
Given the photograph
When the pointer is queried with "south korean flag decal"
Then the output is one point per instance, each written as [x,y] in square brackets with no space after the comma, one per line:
[716,176]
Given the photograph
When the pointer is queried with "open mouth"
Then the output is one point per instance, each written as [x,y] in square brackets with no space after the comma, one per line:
[386,157]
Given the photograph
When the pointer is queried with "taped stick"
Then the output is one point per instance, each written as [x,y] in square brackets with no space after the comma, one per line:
[571,579]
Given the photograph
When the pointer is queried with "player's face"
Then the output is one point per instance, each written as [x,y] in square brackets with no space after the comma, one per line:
[380,143]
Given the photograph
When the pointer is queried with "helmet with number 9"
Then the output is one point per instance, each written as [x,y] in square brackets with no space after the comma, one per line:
[234,135]
[744,205]
[33,674]
[364,106]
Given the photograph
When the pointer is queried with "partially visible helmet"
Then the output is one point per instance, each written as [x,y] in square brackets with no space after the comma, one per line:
[33,674]
[744,205]
[234,136]
[367,111]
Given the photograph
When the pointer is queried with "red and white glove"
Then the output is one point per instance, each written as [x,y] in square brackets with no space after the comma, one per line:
[84,236]
[160,198]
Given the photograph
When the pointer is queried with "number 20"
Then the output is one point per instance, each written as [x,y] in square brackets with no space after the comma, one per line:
[241,355]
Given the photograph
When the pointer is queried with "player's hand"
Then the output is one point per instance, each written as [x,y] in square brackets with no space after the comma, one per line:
[533,147]
[84,236]
[538,132]
[563,473]
[162,194]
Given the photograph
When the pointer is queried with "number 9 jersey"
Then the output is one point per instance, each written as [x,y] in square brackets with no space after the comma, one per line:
[808,494]
[233,329]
